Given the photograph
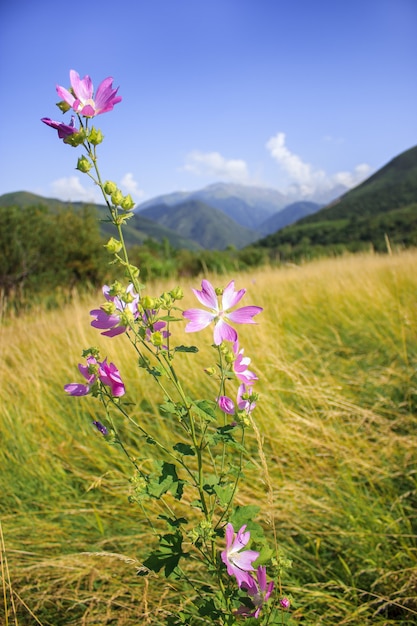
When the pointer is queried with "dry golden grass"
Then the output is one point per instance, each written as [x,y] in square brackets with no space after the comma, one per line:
[333,461]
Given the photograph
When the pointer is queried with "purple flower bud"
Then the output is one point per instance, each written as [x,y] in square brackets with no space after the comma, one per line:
[101,428]
[285,603]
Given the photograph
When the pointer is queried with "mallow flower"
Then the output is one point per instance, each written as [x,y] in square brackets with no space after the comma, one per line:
[238,561]
[200,319]
[240,366]
[114,319]
[64,130]
[258,590]
[94,371]
[80,97]
[245,401]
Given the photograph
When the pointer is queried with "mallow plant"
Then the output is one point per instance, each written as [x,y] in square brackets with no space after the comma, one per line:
[214,550]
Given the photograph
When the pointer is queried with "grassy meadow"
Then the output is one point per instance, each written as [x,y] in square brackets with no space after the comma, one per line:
[336,353]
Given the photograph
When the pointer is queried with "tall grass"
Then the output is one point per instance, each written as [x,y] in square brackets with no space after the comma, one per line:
[336,352]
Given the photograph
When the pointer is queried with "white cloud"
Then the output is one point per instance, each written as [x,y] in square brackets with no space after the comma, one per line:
[213,164]
[303,178]
[129,185]
[351,179]
[70,189]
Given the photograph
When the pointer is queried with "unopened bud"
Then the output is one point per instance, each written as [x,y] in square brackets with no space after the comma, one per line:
[63,106]
[177,293]
[117,197]
[127,203]
[95,136]
[113,245]
[148,302]
[157,339]
[83,165]
[109,187]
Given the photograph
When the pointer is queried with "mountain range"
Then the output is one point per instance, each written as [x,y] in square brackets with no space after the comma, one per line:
[223,215]
[379,212]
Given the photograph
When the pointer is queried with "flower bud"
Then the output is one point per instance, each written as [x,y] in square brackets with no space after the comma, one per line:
[117,197]
[75,139]
[109,187]
[63,106]
[166,300]
[113,245]
[229,357]
[127,203]
[177,293]
[148,302]
[157,339]
[83,164]
[95,136]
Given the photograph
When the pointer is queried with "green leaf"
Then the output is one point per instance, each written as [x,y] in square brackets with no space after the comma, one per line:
[224,493]
[173,522]
[171,318]
[206,409]
[224,435]
[185,348]
[185,449]
[166,480]
[244,515]
[168,555]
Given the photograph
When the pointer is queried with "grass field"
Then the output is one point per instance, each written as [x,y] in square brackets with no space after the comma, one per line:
[336,353]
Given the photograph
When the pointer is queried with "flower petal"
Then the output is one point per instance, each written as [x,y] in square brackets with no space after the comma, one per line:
[77,389]
[199,319]
[223,332]
[244,314]
[231,297]
[207,296]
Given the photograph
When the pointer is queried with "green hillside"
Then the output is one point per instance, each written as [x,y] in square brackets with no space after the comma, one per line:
[384,206]
[136,231]
[211,228]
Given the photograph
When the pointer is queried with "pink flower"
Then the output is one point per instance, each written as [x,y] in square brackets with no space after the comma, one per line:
[89,372]
[226,405]
[200,319]
[94,371]
[238,562]
[110,376]
[112,323]
[258,590]
[285,603]
[64,130]
[245,401]
[240,366]
[80,98]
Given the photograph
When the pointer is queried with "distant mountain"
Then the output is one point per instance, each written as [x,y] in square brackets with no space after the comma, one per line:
[193,219]
[290,214]
[383,206]
[136,230]
[247,205]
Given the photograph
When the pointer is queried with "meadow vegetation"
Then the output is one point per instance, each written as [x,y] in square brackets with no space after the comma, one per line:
[336,352]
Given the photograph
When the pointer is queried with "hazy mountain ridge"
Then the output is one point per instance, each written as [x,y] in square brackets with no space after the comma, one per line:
[383,206]
[248,205]
[208,226]
[222,215]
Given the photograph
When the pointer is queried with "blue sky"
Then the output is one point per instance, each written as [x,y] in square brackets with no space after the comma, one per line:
[297,94]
